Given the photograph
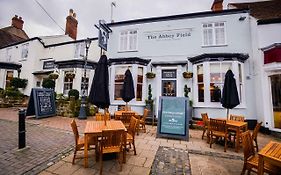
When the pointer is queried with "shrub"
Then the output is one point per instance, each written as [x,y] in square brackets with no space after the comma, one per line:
[19,83]
[48,83]
[13,93]
[73,92]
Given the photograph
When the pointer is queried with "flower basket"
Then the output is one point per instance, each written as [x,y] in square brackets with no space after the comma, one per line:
[150,75]
[187,74]
[70,75]
[54,75]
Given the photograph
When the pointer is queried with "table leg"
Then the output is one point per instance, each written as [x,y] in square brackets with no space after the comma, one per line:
[237,144]
[86,151]
[260,165]
[124,151]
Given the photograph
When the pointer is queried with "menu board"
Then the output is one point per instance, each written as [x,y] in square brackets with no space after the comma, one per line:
[41,103]
[173,117]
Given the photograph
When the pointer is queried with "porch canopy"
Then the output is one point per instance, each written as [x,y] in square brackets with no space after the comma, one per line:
[10,65]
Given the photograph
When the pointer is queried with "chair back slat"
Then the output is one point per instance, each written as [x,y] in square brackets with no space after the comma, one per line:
[248,145]
[256,131]
[112,138]
[145,113]
[205,118]
[126,117]
[217,125]
[239,118]
[75,131]
[133,126]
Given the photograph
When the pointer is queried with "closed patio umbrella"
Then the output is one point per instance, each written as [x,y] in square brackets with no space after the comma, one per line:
[230,98]
[99,93]
[128,91]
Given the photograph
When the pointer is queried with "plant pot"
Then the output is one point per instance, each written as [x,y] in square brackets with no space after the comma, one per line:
[187,74]
[150,75]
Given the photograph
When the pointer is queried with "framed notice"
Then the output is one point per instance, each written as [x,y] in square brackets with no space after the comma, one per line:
[41,103]
[173,118]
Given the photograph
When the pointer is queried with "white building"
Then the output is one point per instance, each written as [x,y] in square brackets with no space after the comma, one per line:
[205,43]
[39,56]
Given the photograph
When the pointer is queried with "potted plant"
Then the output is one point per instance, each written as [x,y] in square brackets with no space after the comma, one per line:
[150,75]
[149,104]
[54,75]
[70,75]
[187,74]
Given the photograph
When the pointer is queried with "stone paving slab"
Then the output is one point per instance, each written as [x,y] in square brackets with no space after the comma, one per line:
[43,145]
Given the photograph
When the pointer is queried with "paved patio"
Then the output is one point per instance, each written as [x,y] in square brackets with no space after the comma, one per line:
[203,160]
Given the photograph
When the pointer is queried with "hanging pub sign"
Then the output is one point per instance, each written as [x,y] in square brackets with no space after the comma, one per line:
[104,31]
[173,118]
[41,103]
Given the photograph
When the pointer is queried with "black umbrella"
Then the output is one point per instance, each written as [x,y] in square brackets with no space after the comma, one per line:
[128,91]
[99,93]
[230,97]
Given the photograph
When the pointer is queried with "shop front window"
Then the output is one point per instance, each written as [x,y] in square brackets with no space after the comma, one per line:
[139,84]
[119,79]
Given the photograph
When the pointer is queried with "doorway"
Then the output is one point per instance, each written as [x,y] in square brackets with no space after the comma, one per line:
[276,99]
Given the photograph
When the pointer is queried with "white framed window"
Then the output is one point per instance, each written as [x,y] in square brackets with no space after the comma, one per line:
[67,84]
[139,84]
[8,54]
[80,50]
[209,80]
[128,40]
[214,34]
[24,51]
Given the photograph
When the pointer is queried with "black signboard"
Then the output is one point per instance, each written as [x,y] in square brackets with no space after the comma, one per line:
[49,64]
[41,103]
[103,34]
[173,118]
[169,73]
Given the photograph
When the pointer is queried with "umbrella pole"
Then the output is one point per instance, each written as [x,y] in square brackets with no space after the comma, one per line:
[126,107]
[227,113]
[104,118]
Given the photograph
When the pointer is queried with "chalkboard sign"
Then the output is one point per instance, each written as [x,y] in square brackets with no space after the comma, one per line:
[41,103]
[173,117]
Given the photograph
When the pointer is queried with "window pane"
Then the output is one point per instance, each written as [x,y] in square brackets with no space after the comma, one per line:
[224,69]
[219,34]
[215,75]
[215,92]
[200,73]
[200,92]
[119,79]
[139,84]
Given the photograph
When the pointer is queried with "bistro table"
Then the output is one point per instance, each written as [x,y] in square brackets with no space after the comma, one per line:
[270,153]
[237,126]
[94,128]
[118,114]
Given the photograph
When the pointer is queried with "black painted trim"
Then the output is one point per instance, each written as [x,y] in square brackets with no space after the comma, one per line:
[42,72]
[10,65]
[218,57]
[181,16]
[182,63]
[269,21]
[75,64]
[128,60]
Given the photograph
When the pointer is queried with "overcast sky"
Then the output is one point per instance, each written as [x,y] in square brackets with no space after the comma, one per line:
[37,23]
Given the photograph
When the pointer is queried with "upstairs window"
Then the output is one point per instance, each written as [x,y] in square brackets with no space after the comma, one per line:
[80,49]
[214,34]
[128,40]
[24,51]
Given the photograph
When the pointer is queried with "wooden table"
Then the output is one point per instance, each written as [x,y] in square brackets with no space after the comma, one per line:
[94,128]
[238,126]
[118,114]
[270,153]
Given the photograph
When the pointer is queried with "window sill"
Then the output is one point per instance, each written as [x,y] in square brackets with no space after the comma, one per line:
[125,51]
[222,45]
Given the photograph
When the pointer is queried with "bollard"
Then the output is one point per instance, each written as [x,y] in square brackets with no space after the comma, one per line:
[21,128]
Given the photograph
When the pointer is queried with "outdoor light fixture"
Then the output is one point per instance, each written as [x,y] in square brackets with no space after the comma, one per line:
[242,18]
[82,112]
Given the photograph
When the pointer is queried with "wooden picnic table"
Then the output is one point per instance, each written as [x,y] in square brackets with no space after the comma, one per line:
[271,153]
[94,128]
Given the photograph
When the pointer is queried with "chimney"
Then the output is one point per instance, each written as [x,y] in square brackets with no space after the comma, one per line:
[217,5]
[17,22]
[71,25]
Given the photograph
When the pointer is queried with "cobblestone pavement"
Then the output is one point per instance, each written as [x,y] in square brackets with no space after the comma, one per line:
[169,161]
[203,160]
[44,145]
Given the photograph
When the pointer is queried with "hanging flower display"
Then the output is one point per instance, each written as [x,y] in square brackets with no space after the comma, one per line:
[150,75]
[54,75]
[70,75]
[187,74]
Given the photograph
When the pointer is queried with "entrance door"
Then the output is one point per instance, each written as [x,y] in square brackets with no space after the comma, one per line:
[169,82]
[276,99]
[9,77]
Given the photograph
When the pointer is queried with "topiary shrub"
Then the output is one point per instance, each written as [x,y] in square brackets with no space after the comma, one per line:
[19,83]
[48,83]
[73,92]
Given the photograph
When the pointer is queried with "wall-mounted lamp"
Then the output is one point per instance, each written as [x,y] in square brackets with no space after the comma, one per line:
[242,18]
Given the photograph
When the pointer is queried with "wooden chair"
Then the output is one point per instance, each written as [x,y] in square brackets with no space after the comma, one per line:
[218,129]
[239,118]
[112,141]
[205,120]
[126,118]
[131,132]
[79,141]
[232,131]
[100,116]
[251,159]
[142,120]
[255,135]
